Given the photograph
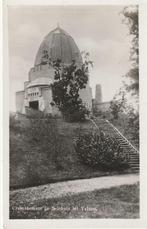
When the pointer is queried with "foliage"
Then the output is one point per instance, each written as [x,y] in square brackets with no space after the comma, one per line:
[130,14]
[118,105]
[104,152]
[69,80]
[133,125]
[131,20]
[128,124]
[73,115]
[96,111]
[14,124]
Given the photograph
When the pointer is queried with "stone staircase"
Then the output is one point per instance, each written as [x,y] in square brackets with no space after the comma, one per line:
[108,129]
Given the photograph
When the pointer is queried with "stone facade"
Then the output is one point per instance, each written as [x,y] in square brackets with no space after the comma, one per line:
[37,93]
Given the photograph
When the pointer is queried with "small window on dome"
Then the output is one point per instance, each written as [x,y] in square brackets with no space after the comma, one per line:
[44,57]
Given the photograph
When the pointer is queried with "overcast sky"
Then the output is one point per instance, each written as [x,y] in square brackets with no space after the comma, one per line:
[98,30]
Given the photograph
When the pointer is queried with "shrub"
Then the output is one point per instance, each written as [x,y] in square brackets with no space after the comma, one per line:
[14,123]
[77,115]
[103,152]
[133,126]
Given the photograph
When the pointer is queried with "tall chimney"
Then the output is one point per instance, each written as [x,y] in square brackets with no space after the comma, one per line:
[98,93]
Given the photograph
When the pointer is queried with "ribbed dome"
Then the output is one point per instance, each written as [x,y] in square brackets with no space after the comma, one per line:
[58,45]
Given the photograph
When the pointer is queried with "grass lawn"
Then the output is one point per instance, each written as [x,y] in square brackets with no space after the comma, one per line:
[34,162]
[118,202]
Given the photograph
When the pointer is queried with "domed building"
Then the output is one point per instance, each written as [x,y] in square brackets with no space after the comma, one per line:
[37,93]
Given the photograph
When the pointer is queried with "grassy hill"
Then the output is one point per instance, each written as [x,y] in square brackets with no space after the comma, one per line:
[42,151]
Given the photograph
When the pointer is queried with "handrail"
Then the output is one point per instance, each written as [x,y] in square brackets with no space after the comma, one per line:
[118,132]
[100,130]
[122,135]
[94,124]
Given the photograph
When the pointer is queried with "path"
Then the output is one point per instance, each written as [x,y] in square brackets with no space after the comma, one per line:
[69,188]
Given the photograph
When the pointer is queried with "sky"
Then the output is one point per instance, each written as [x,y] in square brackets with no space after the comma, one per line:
[97,29]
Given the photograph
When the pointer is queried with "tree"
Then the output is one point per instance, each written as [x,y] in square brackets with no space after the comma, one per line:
[68,81]
[130,14]
[118,105]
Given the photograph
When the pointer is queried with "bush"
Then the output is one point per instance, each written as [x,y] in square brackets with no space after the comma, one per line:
[100,151]
[14,123]
[133,124]
[77,115]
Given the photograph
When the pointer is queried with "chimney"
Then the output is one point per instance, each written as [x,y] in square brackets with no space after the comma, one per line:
[98,93]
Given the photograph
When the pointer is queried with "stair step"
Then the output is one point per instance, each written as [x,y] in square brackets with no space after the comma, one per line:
[126,145]
[134,166]
[134,162]
[134,159]
[134,154]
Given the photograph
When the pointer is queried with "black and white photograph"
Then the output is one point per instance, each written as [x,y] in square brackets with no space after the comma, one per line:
[74,112]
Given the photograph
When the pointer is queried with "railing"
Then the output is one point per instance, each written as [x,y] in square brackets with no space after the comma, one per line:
[118,132]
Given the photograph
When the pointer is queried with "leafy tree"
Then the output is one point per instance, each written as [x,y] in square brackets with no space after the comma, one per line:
[68,81]
[130,14]
[118,105]
[133,125]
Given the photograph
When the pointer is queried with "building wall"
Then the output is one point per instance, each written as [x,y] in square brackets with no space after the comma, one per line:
[41,71]
[102,106]
[98,93]
[86,96]
[47,99]
[20,95]
[45,95]
[26,84]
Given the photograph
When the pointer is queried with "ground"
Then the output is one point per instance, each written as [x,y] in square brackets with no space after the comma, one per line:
[116,202]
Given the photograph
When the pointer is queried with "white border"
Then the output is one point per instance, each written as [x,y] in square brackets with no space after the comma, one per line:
[73,2]
[80,223]
[1,142]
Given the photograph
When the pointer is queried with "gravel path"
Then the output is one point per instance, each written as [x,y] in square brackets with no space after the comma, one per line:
[69,188]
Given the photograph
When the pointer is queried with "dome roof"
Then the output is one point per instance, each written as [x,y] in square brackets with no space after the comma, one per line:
[42,81]
[58,44]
